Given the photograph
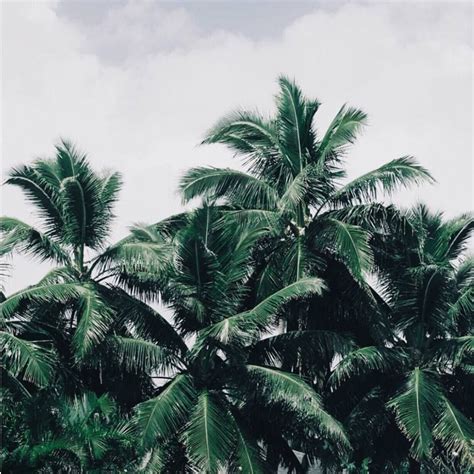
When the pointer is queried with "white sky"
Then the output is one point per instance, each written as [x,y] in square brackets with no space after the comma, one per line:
[136,85]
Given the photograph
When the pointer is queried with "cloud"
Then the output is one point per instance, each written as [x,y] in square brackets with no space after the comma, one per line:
[138,89]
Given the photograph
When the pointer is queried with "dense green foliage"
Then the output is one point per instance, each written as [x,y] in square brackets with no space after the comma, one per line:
[291,318]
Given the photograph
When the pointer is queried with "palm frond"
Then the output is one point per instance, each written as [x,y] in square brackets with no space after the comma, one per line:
[140,355]
[366,360]
[342,131]
[94,317]
[247,454]
[147,323]
[34,182]
[208,437]
[415,410]
[21,237]
[26,359]
[392,176]
[244,132]
[60,293]
[456,433]
[350,243]
[236,186]
[313,343]
[282,387]
[453,236]
[165,414]
[75,211]
[452,351]
[291,122]
[243,326]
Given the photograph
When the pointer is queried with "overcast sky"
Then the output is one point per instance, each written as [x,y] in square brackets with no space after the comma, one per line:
[136,85]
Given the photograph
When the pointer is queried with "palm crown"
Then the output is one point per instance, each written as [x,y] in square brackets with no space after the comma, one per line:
[229,375]
[429,289]
[75,304]
[293,181]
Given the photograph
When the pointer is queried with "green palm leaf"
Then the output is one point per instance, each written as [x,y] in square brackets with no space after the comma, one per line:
[456,433]
[415,410]
[164,414]
[94,318]
[291,124]
[141,355]
[351,244]
[209,438]
[243,326]
[394,175]
[33,180]
[273,350]
[342,131]
[23,238]
[289,389]
[248,456]
[366,360]
[236,186]
[27,359]
[48,293]
[75,211]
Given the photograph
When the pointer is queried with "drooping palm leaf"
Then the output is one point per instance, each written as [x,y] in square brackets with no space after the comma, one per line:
[391,176]
[141,355]
[23,238]
[351,243]
[47,293]
[236,186]
[278,386]
[415,409]
[245,325]
[26,359]
[94,317]
[366,360]
[209,437]
[164,414]
[456,433]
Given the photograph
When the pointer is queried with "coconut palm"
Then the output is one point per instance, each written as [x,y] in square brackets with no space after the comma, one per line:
[224,375]
[317,225]
[293,181]
[75,305]
[424,377]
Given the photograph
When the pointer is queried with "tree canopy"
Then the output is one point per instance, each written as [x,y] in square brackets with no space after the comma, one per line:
[291,318]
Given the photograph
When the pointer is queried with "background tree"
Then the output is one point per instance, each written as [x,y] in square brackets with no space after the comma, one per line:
[424,378]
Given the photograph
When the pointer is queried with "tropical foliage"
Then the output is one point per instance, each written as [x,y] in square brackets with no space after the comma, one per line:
[291,318]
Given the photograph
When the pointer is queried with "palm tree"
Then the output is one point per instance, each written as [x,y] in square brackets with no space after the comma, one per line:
[223,378]
[82,434]
[423,377]
[292,183]
[317,226]
[79,302]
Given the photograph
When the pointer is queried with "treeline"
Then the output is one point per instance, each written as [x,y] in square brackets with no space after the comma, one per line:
[312,324]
